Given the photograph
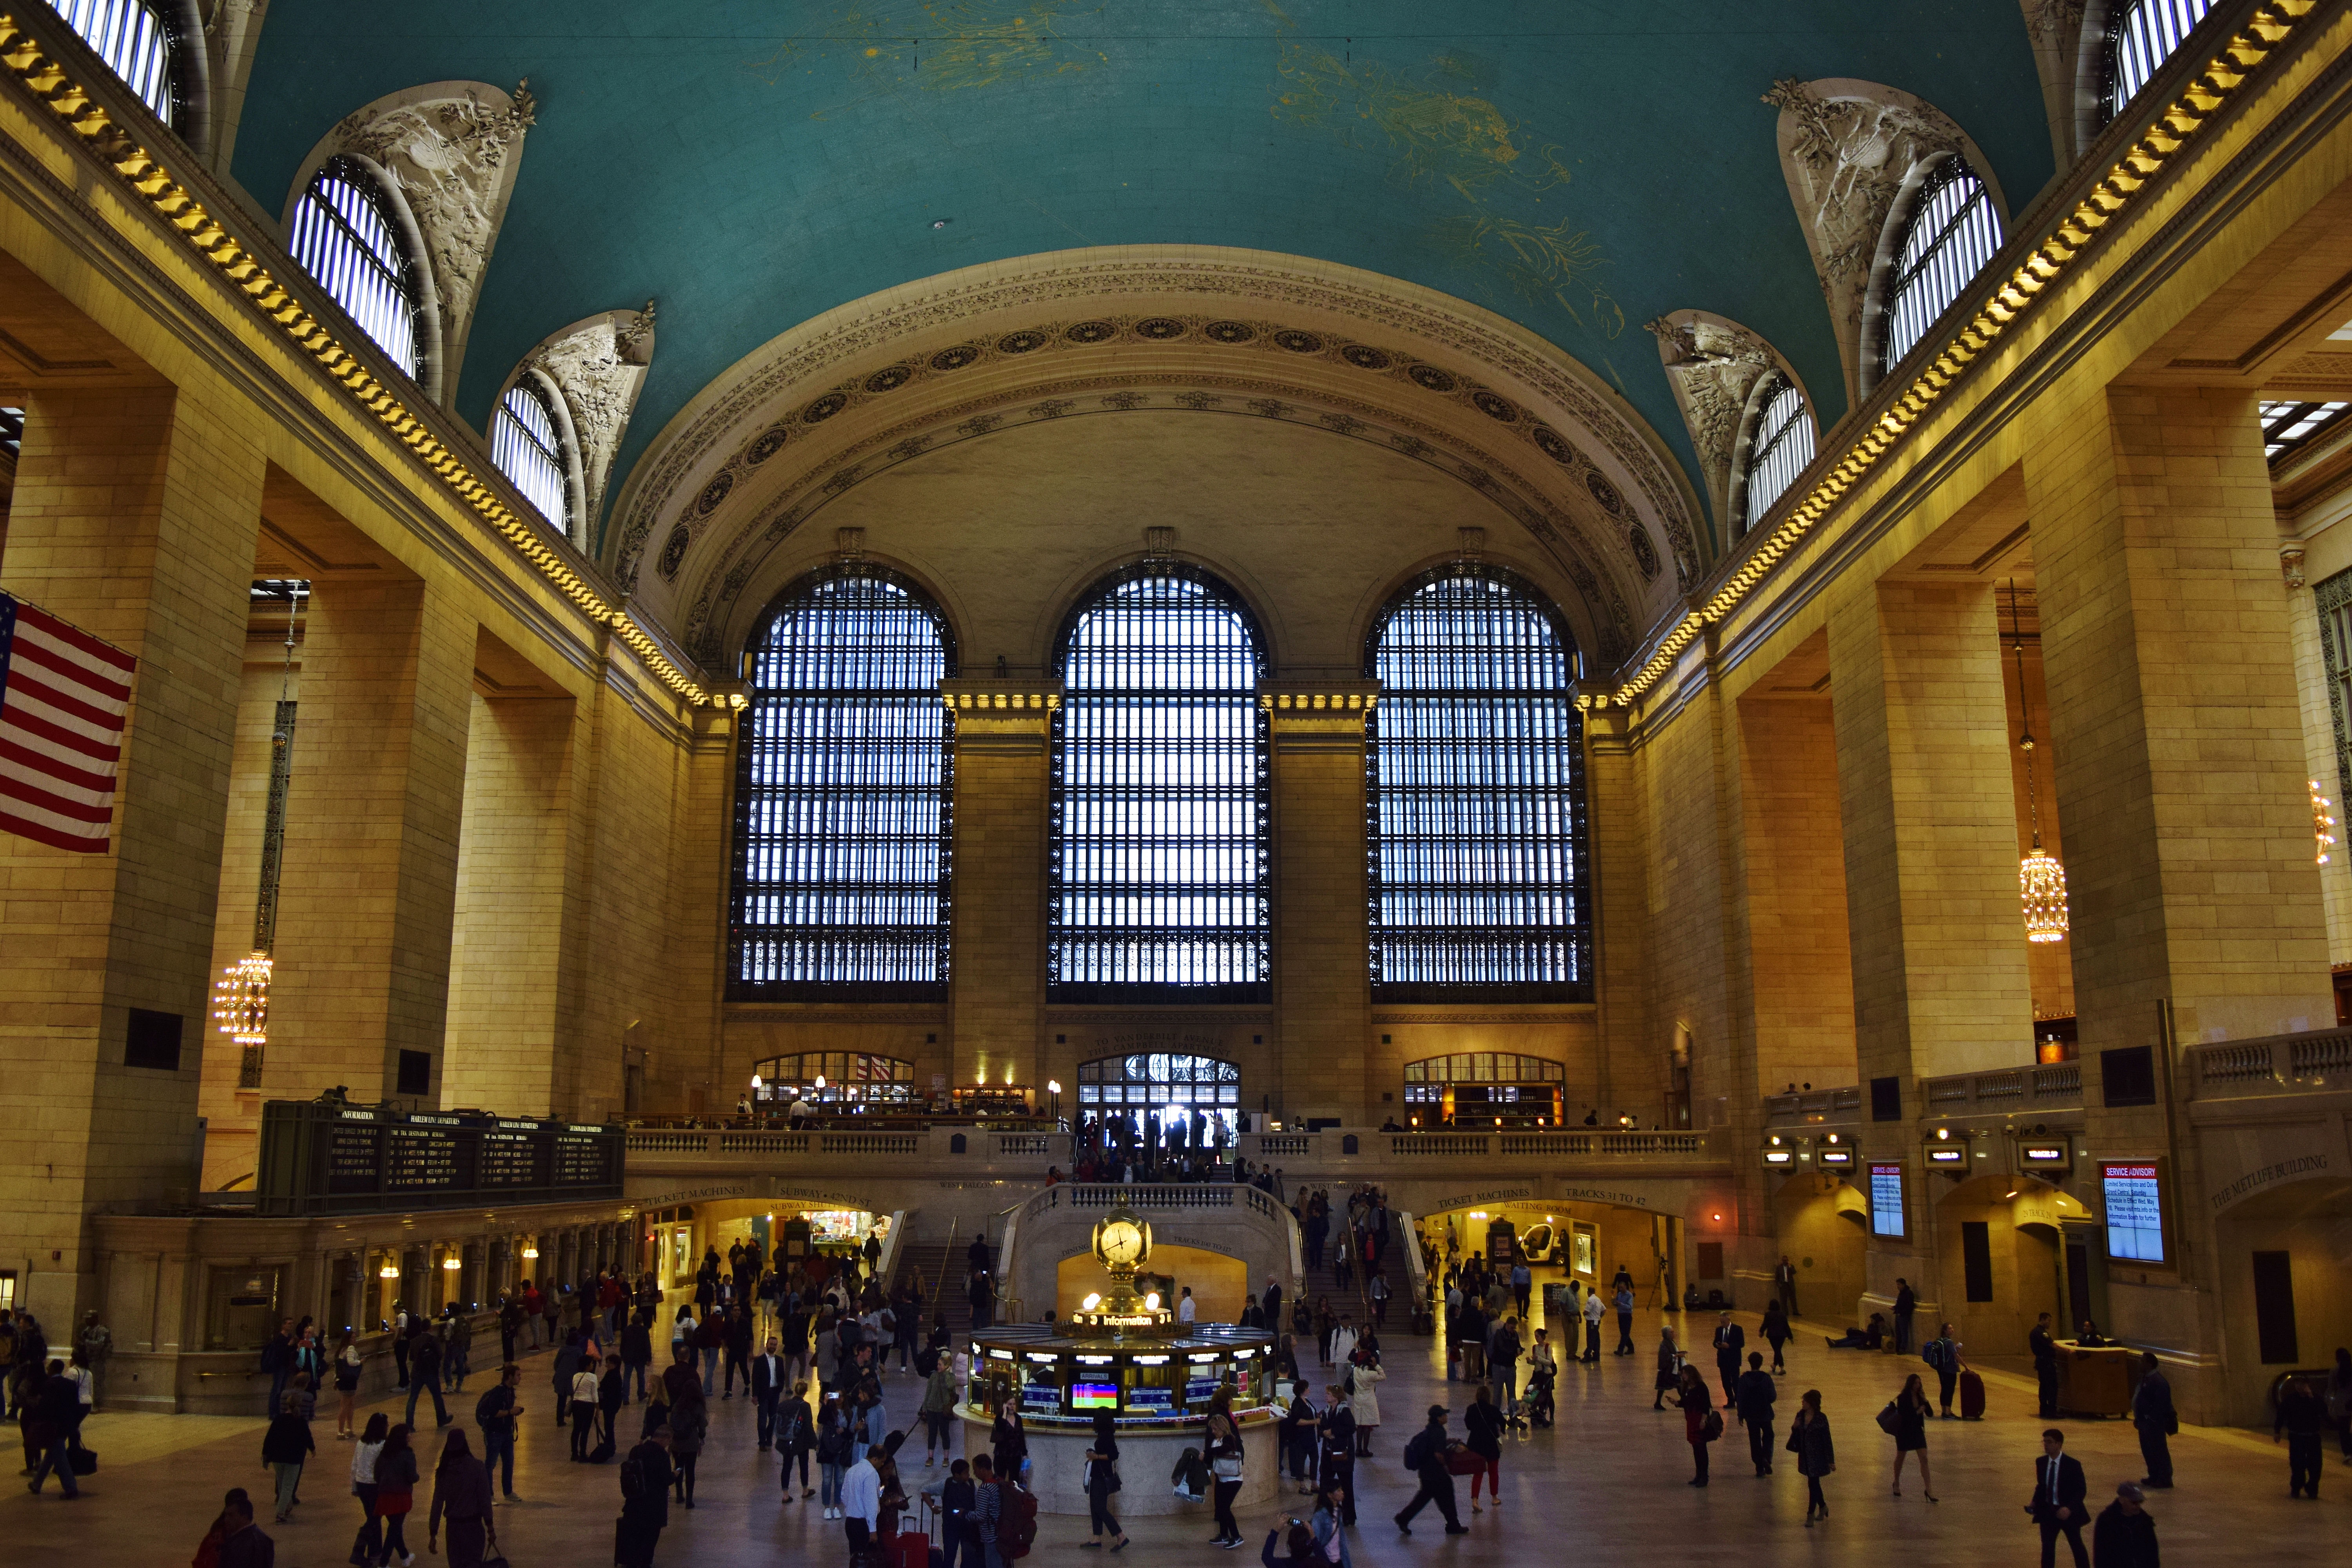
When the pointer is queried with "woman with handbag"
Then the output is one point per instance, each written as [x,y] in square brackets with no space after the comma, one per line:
[1698,1415]
[368,1544]
[1102,1481]
[461,1495]
[1223,1452]
[1808,1439]
[1484,1420]
[1008,1445]
[1670,1366]
[395,1494]
[1905,1421]
[348,1363]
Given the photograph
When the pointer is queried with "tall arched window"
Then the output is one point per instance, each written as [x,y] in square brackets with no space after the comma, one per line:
[1779,444]
[841,802]
[1952,232]
[1159,853]
[525,446]
[137,42]
[1476,796]
[2141,36]
[345,236]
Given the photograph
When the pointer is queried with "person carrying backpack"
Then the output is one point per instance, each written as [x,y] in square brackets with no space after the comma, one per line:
[646,1481]
[1424,1458]
[495,1413]
[1943,1354]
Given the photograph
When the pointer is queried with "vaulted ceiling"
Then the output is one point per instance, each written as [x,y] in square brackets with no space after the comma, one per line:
[1577,169]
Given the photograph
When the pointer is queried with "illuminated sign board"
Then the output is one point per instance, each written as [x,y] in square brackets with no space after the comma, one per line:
[2133,1196]
[1093,1396]
[1886,1200]
[1158,1401]
[1833,1157]
[2044,1154]
[1040,1399]
[1947,1156]
[1779,1157]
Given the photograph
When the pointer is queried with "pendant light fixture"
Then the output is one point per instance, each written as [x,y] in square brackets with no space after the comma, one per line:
[2040,879]
[241,994]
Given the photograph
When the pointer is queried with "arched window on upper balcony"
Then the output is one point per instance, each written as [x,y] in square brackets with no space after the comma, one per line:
[1778,439]
[1476,774]
[842,795]
[1952,230]
[140,43]
[346,235]
[2141,35]
[1159,798]
[528,446]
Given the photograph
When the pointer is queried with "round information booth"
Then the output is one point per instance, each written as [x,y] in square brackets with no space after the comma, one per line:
[1125,1355]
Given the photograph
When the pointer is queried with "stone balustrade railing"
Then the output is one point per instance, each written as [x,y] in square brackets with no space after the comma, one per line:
[2055,1086]
[2278,1064]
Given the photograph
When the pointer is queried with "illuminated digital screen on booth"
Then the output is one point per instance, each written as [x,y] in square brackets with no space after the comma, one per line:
[1835,1156]
[1161,1401]
[1886,1200]
[1040,1399]
[2044,1154]
[1947,1156]
[2134,1203]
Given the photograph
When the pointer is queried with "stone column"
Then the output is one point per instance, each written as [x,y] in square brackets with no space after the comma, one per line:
[1322,983]
[1003,778]
[2182,776]
[134,517]
[372,829]
[1926,803]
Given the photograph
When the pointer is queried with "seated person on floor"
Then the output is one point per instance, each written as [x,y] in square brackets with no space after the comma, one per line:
[1869,1338]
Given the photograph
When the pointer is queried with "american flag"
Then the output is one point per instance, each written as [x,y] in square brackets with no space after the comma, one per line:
[62,697]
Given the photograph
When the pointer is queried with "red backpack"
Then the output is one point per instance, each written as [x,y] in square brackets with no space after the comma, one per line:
[1016,1526]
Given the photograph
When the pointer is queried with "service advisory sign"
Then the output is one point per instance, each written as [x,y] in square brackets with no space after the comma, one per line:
[1886,1200]
[2133,1193]
[325,1157]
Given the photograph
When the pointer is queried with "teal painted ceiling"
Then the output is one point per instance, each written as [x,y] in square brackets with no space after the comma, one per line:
[1579,168]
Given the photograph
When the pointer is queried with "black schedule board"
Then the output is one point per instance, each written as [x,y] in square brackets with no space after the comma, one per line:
[320,1157]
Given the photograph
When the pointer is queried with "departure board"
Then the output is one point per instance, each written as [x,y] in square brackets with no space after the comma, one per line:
[329,1157]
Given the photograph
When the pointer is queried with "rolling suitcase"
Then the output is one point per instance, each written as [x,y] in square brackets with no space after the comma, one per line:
[603,1453]
[908,1549]
[1972,1396]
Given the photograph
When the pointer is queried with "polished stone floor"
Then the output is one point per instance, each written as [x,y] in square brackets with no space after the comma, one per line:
[1608,1482]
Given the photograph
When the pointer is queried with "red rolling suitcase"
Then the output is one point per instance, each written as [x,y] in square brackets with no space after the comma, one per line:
[1972,1398]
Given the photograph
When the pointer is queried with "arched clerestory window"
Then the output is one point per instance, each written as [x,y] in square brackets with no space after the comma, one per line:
[2141,35]
[140,44]
[842,823]
[1160,800]
[1779,443]
[1952,229]
[527,444]
[1476,794]
[345,233]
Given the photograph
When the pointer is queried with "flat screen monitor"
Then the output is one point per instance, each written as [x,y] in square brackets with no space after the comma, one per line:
[1093,1396]
[1040,1399]
[1886,1200]
[2134,1203]
[1199,1388]
[1156,1401]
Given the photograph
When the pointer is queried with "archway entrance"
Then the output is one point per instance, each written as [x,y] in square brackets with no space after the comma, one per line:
[1483,1089]
[2000,1259]
[2286,1302]
[1822,1225]
[840,1082]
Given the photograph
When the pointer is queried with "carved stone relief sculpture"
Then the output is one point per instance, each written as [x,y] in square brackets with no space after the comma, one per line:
[1847,148]
[450,148]
[597,367]
[232,29]
[1713,364]
[2055,28]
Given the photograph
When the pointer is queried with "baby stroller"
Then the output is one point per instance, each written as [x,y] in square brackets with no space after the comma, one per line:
[1538,1405]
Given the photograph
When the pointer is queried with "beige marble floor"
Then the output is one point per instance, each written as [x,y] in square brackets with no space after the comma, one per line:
[1607,1481]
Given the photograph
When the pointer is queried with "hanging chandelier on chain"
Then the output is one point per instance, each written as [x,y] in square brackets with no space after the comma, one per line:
[2040,879]
[241,994]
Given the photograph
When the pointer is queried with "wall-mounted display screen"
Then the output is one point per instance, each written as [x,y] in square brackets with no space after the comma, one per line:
[325,1157]
[1199,1388]
[1886,1200]
[1040,1399]
[2135,1204]
[1093,1396]
[1154,1401]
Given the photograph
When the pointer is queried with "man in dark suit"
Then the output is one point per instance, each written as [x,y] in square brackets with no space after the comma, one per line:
[2153,1414]
[1784,1284]
[767,1387]
[1754,1395]
[2045,1365]
[1730,1338]
[2057,1502]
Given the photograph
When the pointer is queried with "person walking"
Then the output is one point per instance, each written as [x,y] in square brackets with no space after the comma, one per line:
[1222,1448]
[1332,1516]
[1336,1461]
[1503,1352]
[796,1438]
[424,1378]
[395,1493]
[2057,1502]
[1777,1333]
[2044,1350]
[646,1481]
[496,1414]
[1670,1367]
[1784,1287]
[1624,1301]
[1362,1384]
[1425,1457]
[1906,1303]
[49,1429]
[284,1448]
[346,1367]
[1101,1482]
[861,1505]
[2154,1417]
[1697,1405]
[2303,1416]
[1591,1312]
[2124,1535]
[1808,1439]
[461,1497]
[832,1457]
[368,1542]
[1484,1423]
[456,1360]
[767,1379]
[1730,1343]
[585,1387]
[690,1424]
[938,1411]
[987,1514]
[1910,1433]
[1943,1354]
[1753,1397]
[637,1349]
[1008,1444]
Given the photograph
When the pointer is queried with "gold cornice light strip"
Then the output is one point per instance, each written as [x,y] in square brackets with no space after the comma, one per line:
[2170,131]
[1360,700]
[138,168]
[965,702]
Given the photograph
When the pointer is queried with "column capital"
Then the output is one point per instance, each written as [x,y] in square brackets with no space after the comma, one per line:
[1001,712]
[1317,715]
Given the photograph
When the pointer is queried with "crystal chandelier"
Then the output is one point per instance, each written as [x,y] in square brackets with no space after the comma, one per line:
[241,994]
[241,1000]
[2323,825]
[2040,879]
